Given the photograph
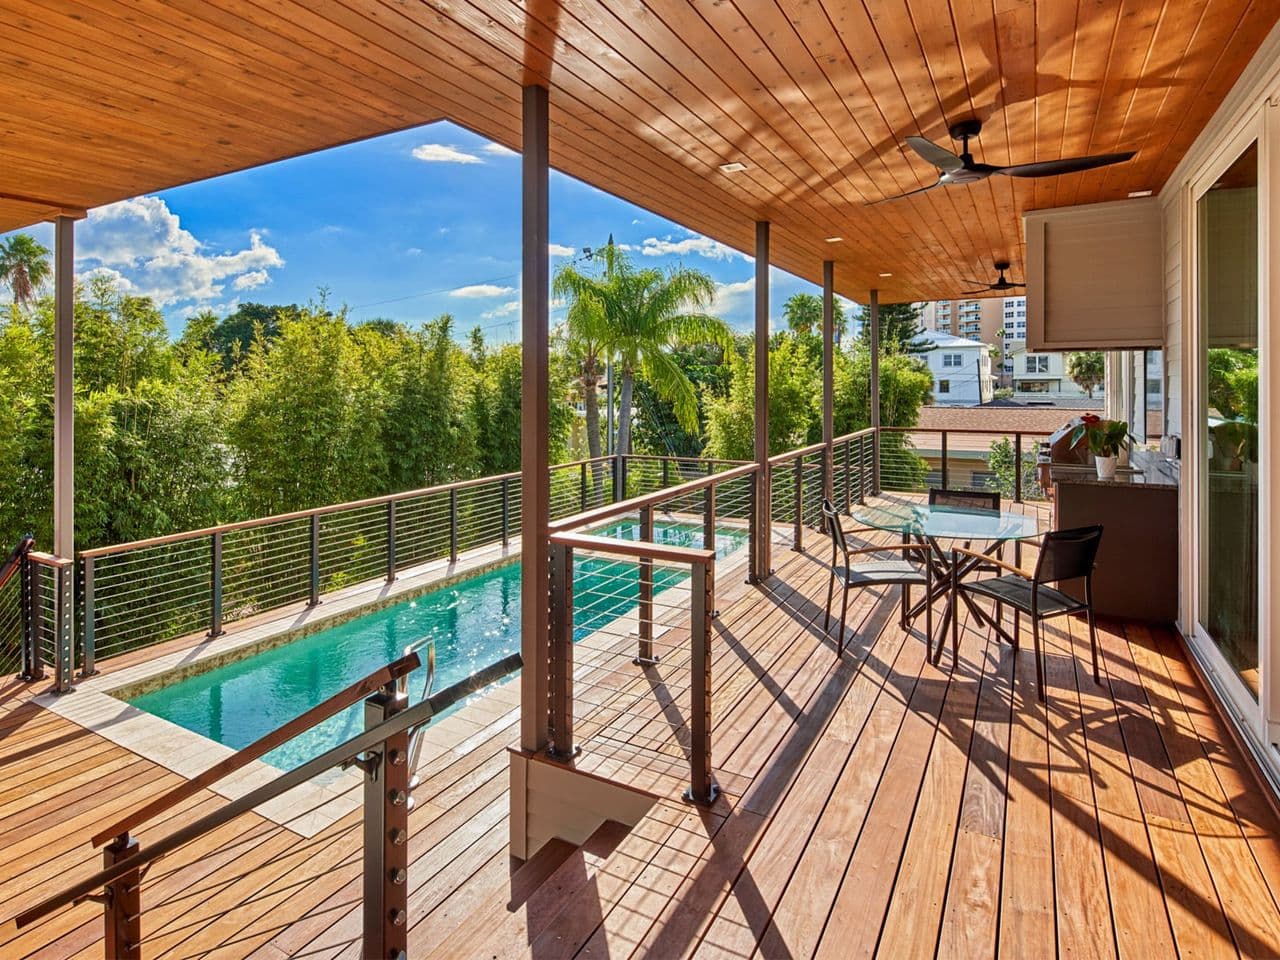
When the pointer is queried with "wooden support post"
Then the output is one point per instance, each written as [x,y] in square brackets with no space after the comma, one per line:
[702,788]
[874,319]
[762,531]
[828,377]
[535,512]
[64,281]
[561,652]
[645,592]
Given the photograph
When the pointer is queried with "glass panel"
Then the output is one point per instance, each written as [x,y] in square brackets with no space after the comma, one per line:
[1229,416]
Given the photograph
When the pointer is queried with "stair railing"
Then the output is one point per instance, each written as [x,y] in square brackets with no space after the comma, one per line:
[383,752]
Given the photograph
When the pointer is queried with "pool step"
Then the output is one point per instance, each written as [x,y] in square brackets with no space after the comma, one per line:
[545,885]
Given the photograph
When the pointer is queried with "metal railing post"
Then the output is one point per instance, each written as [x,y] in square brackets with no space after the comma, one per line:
[63,623]
[645,654]
[315,560]
[215,586]
[87,641]
[582,487]
[561,652]
[122,903]
[620,491]
[666,473]
[1017,468]
[753,530]
[453,524]
[391,541]
[386,832]
[875,461]
[32,656]
[944,460]
[709,518]
[506,511]
[702,587]
[848,476]
[863,476]
[798,538]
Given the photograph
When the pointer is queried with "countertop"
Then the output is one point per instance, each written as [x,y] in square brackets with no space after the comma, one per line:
[1152,470]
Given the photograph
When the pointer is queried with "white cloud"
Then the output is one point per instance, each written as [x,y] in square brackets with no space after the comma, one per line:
[508,308]
[414,252]
[560,250]
[498,150]
[443,153]
[729,296]
[476,290]
[634,222]
[254,278]
[702,246]
[143,242]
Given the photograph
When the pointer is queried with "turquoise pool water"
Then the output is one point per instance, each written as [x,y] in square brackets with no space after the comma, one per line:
[474,623]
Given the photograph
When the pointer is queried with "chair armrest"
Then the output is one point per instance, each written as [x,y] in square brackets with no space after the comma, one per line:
[893,547]
[987,558]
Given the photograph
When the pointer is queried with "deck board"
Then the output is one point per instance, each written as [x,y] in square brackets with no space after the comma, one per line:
[873,805]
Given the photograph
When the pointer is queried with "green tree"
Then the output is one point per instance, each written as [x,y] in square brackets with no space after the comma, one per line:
[794,396]
[1003,465]
[638,317]
[1087,369]
[24,267]
[900,329]
[658,430]
[803,314]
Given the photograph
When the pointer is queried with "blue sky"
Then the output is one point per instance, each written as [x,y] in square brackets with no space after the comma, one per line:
[405,226]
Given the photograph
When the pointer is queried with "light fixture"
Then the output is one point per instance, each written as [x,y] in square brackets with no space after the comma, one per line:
[1134,194]
[886,274]
[734,167]
[834,239]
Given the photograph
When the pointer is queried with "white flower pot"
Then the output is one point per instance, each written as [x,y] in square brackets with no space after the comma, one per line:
[1106,467]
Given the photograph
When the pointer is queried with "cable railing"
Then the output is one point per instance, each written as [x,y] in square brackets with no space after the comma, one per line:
[914,460]
[36,616]
[386,753]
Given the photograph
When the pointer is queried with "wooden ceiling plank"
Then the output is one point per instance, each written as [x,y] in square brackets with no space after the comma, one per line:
[1016,48]
[1055,50]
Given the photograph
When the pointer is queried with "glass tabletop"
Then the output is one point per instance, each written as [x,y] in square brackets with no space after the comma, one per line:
[947,522]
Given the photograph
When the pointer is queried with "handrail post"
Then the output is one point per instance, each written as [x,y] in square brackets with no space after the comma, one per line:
[314,600]
[582,486]
[1017,468]
[620,490]
[32,656]
[215,586]
[391,541]
[702,789]
[645,656]
[122,904]
[753,530]
[63,621]
[87,643]
[709,517]
[666,473]
[875,461]
[798,539]
[453,524]
[386,832]
[944,460]
[561,652]
[863,475]
[848,476]
[506,511]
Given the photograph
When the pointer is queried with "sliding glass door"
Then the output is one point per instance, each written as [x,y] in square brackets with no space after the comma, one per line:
[1229,420]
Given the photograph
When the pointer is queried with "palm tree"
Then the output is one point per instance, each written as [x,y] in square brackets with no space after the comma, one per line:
[24,266]
[635,318]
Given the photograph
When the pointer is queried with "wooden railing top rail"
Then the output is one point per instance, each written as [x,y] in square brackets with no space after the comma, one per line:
[969,430]
[857,434]
[246,755]
[578,463]
[635,548]
[49,560]
[697,459]
[798,452]
[650,499]
[13,563]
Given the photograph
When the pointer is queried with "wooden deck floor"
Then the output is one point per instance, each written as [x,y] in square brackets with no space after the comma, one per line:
[873,805]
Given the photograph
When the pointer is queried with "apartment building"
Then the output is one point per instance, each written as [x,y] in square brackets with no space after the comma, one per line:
[992,320]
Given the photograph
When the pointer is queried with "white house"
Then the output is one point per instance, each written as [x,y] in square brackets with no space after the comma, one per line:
[961,369]
[1041,376]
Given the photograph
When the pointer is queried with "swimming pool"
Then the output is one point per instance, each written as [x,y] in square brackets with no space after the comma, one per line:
[474,622]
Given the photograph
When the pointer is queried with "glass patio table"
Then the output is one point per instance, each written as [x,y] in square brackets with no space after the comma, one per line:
[929,525]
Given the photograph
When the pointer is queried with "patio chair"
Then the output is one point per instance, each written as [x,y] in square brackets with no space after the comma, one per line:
[1064,555]
[873,573]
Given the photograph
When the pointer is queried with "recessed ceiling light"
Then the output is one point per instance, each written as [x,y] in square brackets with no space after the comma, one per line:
[1139,193]
[735,167]
[886,274]
[834,239]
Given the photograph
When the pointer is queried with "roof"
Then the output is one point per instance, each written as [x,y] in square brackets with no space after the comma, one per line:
[648,101]
[940,338]
[1007,418]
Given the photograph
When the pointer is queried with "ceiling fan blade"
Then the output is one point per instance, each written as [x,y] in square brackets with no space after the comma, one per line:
[909,193]
[940,157]
[1053,168]
[966,293]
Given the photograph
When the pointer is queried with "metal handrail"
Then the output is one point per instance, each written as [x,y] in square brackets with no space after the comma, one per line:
[246,755]
[635,548]
[609,511]
[16,556]
[404,721]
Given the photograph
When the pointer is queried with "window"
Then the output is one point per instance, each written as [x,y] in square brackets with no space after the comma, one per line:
[1037,365]
[944,386]
[953,360]
[1038,386]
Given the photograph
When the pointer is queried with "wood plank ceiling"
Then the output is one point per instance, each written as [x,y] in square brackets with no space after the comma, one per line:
[106,100]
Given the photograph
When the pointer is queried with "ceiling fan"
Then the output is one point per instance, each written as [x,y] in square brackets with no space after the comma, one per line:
[1000,284]
[961,168]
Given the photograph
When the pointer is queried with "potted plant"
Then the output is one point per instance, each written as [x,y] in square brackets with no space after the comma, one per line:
[1105,439]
